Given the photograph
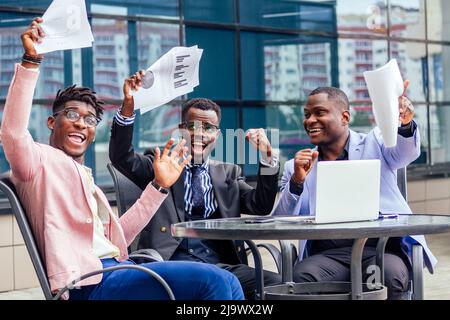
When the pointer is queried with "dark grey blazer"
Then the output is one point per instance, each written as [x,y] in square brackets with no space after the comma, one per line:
[234,196]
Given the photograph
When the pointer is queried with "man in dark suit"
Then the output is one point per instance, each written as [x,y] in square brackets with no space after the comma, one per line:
[208,189]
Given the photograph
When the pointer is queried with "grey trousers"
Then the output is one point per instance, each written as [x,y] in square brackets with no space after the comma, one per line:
[334,265]
[246,276]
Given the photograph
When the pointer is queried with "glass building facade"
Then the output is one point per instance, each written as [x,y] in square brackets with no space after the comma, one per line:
[261,59]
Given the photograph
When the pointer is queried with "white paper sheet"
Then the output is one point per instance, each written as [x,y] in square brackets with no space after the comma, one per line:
[174,74]
[385,86]
[66,27]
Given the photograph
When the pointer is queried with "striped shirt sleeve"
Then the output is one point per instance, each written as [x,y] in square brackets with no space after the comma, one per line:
[124,121]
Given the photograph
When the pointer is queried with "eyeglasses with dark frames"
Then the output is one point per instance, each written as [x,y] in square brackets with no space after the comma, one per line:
[196,125]
[73,116]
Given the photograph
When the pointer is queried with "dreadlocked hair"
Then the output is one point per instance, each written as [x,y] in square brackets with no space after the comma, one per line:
[74,93]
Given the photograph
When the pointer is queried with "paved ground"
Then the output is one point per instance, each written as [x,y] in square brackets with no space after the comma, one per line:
[437,286]
[27,294]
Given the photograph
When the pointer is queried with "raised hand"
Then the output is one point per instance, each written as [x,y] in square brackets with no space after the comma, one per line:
[303,163]
[132,83]
[258,139]
[167,166]
[33,34]
[406,109]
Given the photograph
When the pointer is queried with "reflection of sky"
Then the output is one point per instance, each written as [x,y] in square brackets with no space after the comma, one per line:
[354,7]
[361,7]
[407,3]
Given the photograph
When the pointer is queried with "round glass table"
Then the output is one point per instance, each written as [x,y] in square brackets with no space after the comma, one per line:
[285,228]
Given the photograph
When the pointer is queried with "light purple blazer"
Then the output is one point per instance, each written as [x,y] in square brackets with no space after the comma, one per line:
[362,147]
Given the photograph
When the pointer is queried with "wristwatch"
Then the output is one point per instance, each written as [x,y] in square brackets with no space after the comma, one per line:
[159,188]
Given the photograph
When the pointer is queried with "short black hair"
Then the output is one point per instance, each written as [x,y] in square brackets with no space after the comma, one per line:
[333,93]
[74,93]
[202,104]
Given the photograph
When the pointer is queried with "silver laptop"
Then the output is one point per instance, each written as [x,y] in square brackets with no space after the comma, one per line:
[347,191]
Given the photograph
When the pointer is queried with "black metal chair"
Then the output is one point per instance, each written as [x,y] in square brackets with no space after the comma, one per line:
[127,193]
[7,187]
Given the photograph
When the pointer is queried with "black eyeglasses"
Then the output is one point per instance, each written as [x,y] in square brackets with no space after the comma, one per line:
[73,116]
[205,126]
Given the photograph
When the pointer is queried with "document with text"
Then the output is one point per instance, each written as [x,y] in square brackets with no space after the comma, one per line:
[173,75]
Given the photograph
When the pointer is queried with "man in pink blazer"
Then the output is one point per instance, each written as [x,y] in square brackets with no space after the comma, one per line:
[74,225]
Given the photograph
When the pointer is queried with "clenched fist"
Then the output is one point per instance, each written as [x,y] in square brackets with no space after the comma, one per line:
[303,163]
[258,139]
[406,109]
[132,83]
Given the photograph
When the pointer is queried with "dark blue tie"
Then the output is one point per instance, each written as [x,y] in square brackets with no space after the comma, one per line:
[198,200]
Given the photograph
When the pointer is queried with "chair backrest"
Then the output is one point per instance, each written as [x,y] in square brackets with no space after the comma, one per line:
[127,192]
[241,251]
[7,187]
[416,289]
[402,182]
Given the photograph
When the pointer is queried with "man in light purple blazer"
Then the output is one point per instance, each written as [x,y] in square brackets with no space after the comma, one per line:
[326,120]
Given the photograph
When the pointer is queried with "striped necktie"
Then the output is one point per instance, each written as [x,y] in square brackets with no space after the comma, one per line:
[198,199]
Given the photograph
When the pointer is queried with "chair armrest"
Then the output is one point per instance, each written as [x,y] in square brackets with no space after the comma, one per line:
[149,255]
[137,258]
[379,258]
[274,252]
[417,266]
[118,267]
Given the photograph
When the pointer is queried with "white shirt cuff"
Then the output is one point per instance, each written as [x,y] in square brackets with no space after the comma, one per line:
[273,163]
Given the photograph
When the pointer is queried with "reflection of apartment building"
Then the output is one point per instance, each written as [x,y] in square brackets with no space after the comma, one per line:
[153,41]
[362,54]
[363,61]
[9,55]
[356,57]
[111,68]
[316,66]
[282,72]
[292,71]
[52,69]
[439,57]
[50,81]
[111,58]
[409,22]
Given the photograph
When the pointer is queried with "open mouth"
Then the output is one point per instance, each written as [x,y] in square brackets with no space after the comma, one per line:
[314,131]
[77,138]
[198,147]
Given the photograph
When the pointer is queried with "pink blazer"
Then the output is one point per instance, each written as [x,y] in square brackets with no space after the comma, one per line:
[55,195]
